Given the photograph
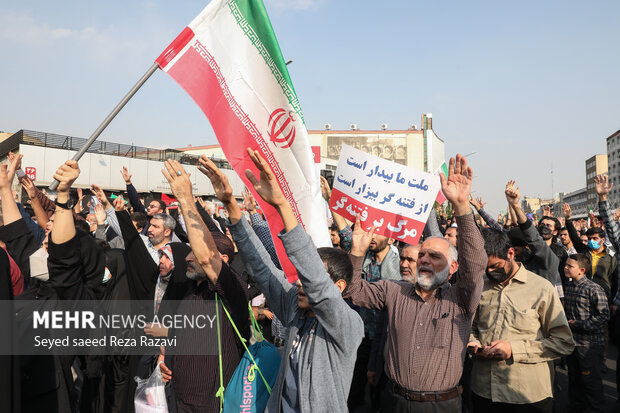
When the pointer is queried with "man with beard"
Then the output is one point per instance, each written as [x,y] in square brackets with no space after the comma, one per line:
[381,262]
[408,262]
[529,246]
[566,242]
[194,365]
[429,322]
[159,233]
[519,328]
[549,229]
[604,270]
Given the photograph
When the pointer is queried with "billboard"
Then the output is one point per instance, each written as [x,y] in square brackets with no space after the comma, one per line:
[390,147]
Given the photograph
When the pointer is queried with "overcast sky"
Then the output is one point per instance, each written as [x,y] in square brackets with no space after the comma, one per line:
[526,85]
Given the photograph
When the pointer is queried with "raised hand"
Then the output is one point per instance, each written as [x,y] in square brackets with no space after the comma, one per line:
[249,202]
[603,186]
[98,192]
[566,211]
[325,189]
[218,179]
[12,156]
[457,187]
[126,175]
[100,214]
[477,203]
[8,171]
[512,193]
[119,204]
[360,239]
[179,181]
[66,174]
[29,187]
[267,188]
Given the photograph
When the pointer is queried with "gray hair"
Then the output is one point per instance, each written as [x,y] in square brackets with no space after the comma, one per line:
[453,253]
[169,222]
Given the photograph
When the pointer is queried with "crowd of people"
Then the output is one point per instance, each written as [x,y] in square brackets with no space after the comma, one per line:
[478,317]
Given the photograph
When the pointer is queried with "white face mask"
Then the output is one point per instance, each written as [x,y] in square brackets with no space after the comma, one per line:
[107,276]
[38,265]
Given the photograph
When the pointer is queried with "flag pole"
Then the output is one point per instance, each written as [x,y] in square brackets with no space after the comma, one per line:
[109,118]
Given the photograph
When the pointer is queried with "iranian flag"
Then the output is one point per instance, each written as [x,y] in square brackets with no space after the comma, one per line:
[229,61]
[441,198]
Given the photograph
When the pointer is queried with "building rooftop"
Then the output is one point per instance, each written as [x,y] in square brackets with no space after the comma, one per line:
[52,140]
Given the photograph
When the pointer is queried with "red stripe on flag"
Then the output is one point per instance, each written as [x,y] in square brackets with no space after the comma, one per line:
[175,47]
[198,78]
[167,199]
[375,215]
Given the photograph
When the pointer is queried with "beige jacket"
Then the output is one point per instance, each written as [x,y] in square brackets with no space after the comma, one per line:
[526,312]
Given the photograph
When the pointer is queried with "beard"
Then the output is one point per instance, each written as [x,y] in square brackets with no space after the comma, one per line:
[430,282]
[195,273]
[156,239]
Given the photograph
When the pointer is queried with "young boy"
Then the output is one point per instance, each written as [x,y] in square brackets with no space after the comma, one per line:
[587,312]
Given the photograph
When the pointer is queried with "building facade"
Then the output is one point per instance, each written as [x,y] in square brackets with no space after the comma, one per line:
[595,165]
[578,201]
[101,164]
[416,148]
[613,162]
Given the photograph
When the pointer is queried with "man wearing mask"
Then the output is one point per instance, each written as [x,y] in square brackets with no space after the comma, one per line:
[529,246]
[604,269]
[549,228]
[512,347]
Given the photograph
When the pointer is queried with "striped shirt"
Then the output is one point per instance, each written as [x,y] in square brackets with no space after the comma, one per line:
[586,303]
[427,339]
[195,378]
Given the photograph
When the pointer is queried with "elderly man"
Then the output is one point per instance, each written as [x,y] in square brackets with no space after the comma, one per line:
[408,262]
[429,321]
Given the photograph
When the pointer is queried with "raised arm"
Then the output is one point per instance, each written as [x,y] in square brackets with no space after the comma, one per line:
[361,292]
[324,296]
[478,204]
[35,203]
[271,281]
[10,212]
[603,187]
[543,253]
[432,225]
[200,238]
[260,227]
[470,245]
[572,232]
[64,227]
[132,194]
[339,220]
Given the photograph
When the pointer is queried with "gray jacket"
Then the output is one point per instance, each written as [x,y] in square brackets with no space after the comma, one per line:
[327,358]
[390,266]
[543,262]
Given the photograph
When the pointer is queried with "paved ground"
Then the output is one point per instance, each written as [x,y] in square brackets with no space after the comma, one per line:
[561,397]
[609,384]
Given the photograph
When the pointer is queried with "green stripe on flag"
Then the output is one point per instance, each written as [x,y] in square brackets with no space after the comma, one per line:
[442,168]
[252,18]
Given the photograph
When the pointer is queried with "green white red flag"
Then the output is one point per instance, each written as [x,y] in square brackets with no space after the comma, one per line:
[441,198]
[229,61]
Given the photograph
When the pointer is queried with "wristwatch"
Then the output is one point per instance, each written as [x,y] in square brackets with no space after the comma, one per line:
[66,205]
